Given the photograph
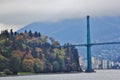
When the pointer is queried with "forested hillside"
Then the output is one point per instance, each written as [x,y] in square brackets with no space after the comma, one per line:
[35,52]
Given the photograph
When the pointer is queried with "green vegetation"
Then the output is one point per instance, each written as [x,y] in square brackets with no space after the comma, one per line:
[29,52]
[24,73]
[2,74]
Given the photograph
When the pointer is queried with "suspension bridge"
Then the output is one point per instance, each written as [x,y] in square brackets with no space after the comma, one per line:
[89,45]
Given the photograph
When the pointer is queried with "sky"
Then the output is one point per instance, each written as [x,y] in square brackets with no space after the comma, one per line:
[16,14]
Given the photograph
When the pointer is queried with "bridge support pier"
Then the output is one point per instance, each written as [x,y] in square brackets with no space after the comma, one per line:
[89,60]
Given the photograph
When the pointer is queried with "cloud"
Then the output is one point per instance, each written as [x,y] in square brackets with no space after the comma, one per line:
[9,27]
[22,12]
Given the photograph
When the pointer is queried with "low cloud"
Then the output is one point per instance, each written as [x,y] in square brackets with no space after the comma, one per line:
[22,12]
[9,27]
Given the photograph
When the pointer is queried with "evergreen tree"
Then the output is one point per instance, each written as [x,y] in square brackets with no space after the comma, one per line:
[15,63]
[30,34]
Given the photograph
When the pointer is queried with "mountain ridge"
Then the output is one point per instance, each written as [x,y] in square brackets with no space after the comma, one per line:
[74,31]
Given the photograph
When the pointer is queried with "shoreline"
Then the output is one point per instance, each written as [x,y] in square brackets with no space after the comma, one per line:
[99,75]
[54,73]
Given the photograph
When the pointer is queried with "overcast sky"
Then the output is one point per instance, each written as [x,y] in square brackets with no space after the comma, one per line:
[22,12]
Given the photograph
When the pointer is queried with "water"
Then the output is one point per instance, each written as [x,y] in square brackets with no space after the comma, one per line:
[99,75]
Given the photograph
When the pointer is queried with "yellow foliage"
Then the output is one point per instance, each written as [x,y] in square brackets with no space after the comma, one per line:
[28,65]
[40,62]
[59,52]
[2,41]
[25,35]
[18,37]
[2,57]
[38,50]
[18,53]
[28,56]
[61,57]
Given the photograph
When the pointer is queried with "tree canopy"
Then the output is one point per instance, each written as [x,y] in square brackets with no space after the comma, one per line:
[32,52]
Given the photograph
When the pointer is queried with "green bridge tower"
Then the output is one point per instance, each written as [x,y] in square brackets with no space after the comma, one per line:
[89,60]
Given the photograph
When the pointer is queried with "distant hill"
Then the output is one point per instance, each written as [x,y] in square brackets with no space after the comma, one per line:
[74,31]
[102,29]
[62,31]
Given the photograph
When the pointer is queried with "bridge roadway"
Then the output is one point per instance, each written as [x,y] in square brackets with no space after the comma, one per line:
[92,44]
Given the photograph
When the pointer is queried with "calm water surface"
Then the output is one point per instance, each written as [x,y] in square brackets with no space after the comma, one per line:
[99,75]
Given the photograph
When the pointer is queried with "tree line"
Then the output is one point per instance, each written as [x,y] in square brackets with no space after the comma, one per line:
[35,52]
